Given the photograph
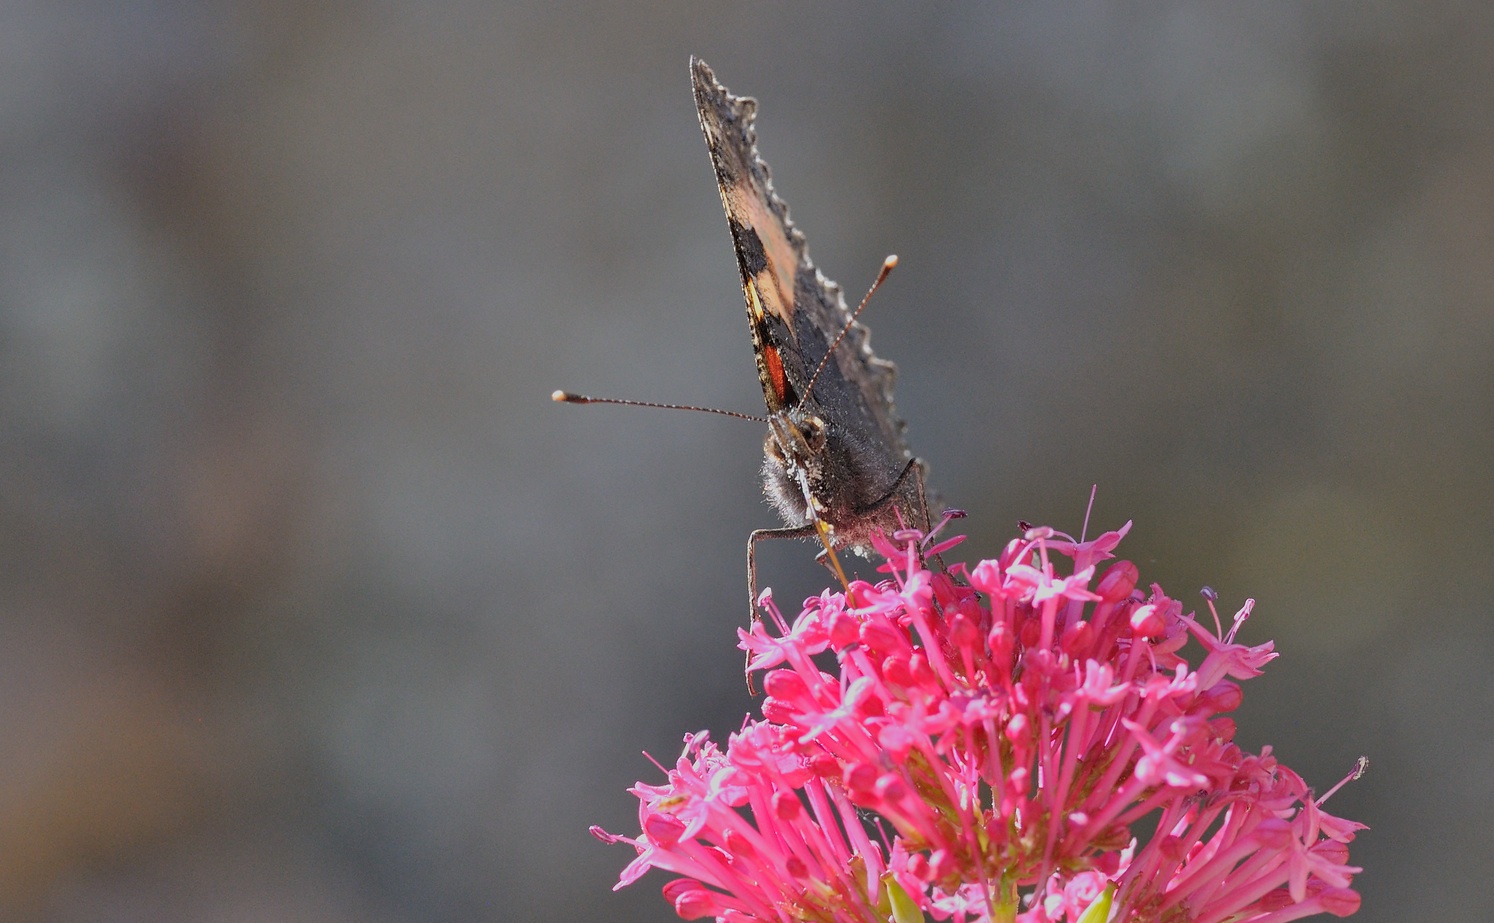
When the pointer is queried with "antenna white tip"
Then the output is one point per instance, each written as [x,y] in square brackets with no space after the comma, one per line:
[891,261]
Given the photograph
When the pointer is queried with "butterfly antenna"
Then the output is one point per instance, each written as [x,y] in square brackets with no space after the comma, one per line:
[887,266]
[566,397]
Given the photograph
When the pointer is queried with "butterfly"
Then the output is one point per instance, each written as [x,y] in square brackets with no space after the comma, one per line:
[836,461]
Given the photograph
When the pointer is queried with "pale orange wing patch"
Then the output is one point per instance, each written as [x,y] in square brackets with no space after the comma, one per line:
[775,282]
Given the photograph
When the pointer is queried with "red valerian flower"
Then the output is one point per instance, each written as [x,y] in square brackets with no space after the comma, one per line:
[998,743]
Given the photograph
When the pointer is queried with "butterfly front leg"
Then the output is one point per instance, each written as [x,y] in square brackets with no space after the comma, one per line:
[752,540]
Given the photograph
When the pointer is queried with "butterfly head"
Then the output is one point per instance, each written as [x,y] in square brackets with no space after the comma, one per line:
[794,463]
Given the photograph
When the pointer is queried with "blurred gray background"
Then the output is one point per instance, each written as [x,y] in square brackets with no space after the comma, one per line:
[314,607]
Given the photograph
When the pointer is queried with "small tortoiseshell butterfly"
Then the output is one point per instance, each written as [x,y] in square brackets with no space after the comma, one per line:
[836,464]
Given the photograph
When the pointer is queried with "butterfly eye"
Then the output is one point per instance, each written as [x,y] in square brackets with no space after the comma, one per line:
[813,430]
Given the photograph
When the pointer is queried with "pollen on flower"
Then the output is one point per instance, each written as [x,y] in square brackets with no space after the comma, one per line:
[1009,741]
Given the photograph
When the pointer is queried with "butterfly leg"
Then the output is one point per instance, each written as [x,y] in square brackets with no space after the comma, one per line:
[923,507]
[915,505]
[915,467]
[910,496]
[752,540]
[931,529]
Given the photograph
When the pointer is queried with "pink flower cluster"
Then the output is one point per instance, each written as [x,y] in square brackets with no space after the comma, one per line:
[998,743]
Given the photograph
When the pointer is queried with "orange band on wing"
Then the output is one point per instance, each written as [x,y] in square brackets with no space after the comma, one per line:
[748,205]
